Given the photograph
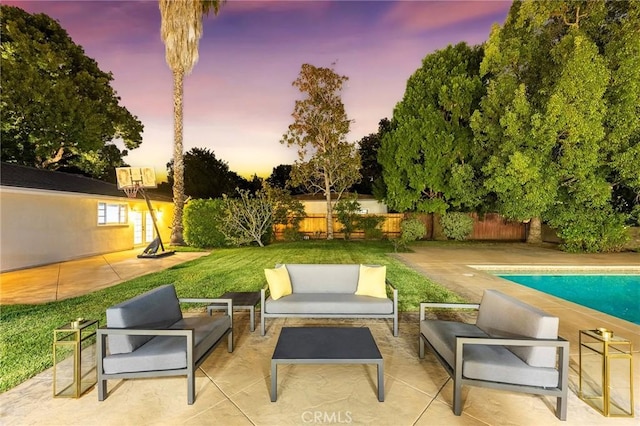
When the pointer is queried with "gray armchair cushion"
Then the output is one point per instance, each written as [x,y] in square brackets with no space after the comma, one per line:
[169,352]
[484,362]
[157,308]
[501,315]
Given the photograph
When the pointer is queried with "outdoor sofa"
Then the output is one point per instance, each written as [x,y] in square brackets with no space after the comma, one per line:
[512,346]
[147,336]
[328,291]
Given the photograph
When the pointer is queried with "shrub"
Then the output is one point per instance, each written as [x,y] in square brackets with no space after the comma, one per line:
[456,225]
[370,226]
[202,222]
[347,214]
[410,230]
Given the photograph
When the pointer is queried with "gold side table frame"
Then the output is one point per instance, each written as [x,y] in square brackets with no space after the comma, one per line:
[610,348]
[69,342]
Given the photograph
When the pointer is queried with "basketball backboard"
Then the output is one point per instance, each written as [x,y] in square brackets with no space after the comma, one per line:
[143,177]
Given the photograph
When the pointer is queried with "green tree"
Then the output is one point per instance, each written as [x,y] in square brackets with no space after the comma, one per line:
[181,29]
[371,170]
[430,140]
[287,211]
[58,109]
[347,212]
[205,176]
[326,162]
[558,127]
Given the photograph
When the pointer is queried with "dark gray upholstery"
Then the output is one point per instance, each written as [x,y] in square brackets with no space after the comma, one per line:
[147,336]
[157,308]
[327,291]
[513,346]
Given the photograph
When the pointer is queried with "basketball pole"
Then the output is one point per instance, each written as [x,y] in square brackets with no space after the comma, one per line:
[153,216]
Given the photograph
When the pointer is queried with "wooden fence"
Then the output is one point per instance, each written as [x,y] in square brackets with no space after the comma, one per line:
[490,226]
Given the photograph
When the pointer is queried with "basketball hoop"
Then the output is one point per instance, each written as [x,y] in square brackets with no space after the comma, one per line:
[131,190]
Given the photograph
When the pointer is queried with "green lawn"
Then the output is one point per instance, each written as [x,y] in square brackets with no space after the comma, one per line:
[27,330]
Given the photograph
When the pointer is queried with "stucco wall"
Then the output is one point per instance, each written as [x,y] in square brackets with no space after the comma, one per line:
[42,227]
[320,206]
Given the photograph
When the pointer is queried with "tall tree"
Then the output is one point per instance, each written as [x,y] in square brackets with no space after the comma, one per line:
[426,155]
[371,170]
[181,30]
[206,176]
[58,109]
[560,98]
[326,162]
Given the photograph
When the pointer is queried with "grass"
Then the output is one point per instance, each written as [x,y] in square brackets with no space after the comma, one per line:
[26,334]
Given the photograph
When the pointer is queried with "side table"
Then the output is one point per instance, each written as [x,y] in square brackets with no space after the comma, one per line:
[242,300]
[74,374]
[608,348]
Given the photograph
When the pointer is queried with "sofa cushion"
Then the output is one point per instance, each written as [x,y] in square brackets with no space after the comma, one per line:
[484,362]
[328,303]
[279,282]
[323,278]
[170,352]
[371,281]
[157,308]
[501,315]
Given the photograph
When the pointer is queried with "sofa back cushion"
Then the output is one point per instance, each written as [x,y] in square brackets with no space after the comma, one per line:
[323,278]
[157,308]
[504,316]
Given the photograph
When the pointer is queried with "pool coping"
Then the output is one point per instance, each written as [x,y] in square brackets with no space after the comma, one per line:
[509,268]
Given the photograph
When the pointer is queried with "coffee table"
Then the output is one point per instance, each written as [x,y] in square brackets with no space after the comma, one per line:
[326,345]
[242,300]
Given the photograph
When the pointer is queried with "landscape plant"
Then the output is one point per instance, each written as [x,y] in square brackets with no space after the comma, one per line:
[25,335]
[411,229]
[347,213]
[203,223]
[248,218]
[326,163]
[456,225]
[370,225]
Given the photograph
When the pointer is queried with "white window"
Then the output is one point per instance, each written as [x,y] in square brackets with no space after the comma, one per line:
[112,214]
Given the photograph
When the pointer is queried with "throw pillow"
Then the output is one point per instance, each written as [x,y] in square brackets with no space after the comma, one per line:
[371,281]
[279,282]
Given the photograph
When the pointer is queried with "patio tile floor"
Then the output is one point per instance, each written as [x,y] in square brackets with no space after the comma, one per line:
[233,389]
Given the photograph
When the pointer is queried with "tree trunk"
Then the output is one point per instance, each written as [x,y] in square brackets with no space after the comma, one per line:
[327,193]
[178,159]
[535,231]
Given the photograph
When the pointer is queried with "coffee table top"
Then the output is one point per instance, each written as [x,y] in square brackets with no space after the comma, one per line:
[326,343]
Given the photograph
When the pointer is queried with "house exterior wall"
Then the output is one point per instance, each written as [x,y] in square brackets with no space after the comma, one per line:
[371,206]
[39,227]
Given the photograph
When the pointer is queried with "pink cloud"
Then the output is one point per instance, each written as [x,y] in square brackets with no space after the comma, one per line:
[414,16]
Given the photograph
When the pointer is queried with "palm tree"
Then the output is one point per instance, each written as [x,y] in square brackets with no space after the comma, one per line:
[181,30]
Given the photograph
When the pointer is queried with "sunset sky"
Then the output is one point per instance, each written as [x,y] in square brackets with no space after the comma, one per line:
[239,99]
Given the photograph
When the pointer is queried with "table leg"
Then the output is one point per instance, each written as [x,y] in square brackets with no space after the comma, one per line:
[380,381]
[274,381]
[252,317]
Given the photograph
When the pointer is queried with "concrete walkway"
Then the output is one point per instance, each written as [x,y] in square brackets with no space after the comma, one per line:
[73,278]
[233,389]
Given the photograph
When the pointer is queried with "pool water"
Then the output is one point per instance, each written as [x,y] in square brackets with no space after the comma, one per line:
[617,295]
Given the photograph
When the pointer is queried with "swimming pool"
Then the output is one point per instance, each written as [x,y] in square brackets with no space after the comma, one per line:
[617,295]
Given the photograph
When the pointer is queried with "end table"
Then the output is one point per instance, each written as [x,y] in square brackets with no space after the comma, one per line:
[74,374]
[242,300]
[608,347]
